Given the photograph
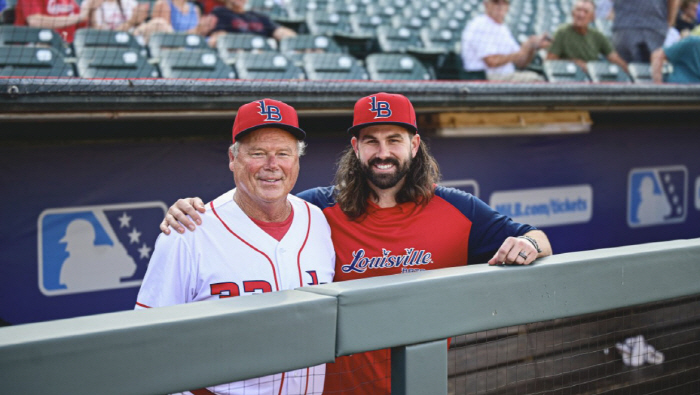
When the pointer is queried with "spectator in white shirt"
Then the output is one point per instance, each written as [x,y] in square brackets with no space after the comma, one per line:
[488,45]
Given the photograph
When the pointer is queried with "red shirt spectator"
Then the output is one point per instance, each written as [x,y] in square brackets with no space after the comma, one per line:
[60,15]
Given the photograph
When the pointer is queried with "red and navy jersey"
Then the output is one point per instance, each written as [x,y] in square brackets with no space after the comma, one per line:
[455,228]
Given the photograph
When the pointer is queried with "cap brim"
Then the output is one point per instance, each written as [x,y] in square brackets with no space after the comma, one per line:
[353,130]
[295,131]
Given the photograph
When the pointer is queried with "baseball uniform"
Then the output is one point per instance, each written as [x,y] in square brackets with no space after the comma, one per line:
[453,229]
[230,255]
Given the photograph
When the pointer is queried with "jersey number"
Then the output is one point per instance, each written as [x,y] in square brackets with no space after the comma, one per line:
[229,290]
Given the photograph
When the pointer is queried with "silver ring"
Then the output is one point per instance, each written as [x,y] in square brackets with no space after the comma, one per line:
[522,255]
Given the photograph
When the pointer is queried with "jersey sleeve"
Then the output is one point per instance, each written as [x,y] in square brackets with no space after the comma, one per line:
[321,197]
[169,277]
[489,227]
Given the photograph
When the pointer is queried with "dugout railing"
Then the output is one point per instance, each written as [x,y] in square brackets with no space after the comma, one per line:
[190,346]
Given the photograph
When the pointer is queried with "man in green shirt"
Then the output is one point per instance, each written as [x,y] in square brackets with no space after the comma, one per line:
[581,43]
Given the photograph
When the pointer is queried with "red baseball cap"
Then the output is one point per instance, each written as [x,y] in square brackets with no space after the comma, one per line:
[266,113]
[383,108]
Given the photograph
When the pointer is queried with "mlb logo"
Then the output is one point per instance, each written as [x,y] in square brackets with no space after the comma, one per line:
[468,186]
[657,196]
[96,248]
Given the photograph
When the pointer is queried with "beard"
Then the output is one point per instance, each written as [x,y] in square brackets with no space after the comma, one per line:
[385,180]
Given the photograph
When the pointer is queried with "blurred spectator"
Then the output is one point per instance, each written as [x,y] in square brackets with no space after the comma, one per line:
[640,27]
[64,16]
[687,17]
[488,45]
[122,15]
[604,9]
[580,42]
[183,16]
[233,18]
[3,4]
[207,6]
[685,58]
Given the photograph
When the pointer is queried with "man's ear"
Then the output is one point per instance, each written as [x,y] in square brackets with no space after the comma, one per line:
[415,144]
[353,142]
[231,158]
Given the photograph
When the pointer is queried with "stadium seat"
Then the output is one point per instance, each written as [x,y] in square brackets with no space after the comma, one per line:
[323,22]
[601,71]
[444,39]
[333,66]
[384,11]
[114,63]
[382,67]
[399,40]
[271,8]
[33,36]
[195,63]
[96,38]
[345,8]
[563,71]
[16,61]
[165,41]
[367,24]
[266,66]
[640,73]
[231,44]
[409,22]
[295,47]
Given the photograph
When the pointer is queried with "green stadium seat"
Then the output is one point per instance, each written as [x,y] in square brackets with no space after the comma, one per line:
[194,63]
[444,39]
[96,38]
[266,66]
[640,73]
[165,41]
[323,22]
[295,47]
[399,40]
[17,61]
[114,63]
[410,22]
[231,44]
[383,66]
[344,8]
[563,71]
[333,66]
[602,71]
[33,36]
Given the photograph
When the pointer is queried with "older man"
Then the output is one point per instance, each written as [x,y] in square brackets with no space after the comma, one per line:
[388,217]
[256,238]
[488,45]
[581,43]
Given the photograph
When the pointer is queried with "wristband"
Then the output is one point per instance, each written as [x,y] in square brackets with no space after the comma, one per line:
[531,240]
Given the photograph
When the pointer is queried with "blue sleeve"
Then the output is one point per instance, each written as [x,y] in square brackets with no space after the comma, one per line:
[322,197]
[489,227]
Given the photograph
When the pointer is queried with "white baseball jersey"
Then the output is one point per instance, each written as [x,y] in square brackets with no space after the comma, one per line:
[229,255]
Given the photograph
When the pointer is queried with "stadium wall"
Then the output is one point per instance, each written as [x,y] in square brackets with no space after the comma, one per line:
[94,150]
[180,347]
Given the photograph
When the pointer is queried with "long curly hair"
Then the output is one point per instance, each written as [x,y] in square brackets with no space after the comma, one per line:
[352,187]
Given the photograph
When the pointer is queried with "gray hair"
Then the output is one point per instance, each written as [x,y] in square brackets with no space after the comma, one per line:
[591,2]
[301,148]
